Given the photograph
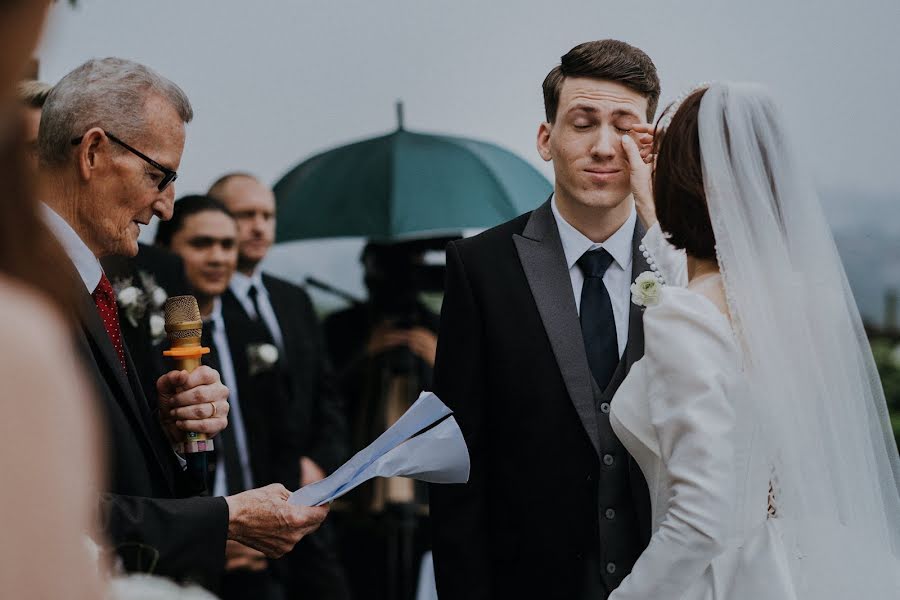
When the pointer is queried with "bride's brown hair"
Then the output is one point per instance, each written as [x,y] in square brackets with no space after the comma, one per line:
[678,183]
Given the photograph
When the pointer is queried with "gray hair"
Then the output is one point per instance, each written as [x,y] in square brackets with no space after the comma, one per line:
[110,93]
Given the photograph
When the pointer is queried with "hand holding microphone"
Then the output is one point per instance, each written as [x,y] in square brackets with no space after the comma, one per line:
[193,402]
[193,406]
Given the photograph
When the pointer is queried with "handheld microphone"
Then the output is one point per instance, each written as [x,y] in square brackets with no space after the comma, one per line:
[184,328]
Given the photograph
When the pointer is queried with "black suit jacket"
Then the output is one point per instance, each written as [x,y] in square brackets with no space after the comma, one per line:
[291,412]
[511,364]
[145,499]
[320,426]
[270,419]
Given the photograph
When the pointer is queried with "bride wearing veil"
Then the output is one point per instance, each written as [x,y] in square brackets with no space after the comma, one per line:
[756,415]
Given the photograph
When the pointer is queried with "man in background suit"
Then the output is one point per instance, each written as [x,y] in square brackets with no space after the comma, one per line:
[261,445]
[98,189]
[537,332]
[285,313]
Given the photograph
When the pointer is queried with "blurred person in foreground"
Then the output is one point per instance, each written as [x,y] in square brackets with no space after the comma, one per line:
[32,95]
[260,446]
[49,455]
[98,188]
[282,313]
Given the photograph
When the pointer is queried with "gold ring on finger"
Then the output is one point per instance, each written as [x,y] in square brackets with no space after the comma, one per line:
[215,410]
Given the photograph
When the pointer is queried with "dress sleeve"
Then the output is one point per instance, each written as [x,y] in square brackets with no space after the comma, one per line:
[691,363]
[664,258]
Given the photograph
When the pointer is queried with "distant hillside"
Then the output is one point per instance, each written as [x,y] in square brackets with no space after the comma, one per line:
[867,232]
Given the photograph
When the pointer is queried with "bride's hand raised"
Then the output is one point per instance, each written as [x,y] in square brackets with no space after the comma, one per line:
[640,162]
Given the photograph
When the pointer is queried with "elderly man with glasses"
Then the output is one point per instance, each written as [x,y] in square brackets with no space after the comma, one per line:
[110,142]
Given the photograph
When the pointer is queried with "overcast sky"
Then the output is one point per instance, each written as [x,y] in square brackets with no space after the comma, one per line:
[274,81]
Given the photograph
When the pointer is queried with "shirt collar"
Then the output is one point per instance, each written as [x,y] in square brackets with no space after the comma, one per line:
[85,262]
[240,283]
[575,243]
[215,315]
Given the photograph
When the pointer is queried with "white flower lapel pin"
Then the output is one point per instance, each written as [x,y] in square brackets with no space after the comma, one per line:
[131,300]
[261,357]
[646,289]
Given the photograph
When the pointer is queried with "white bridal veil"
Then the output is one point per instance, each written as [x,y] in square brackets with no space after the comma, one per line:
[835,468]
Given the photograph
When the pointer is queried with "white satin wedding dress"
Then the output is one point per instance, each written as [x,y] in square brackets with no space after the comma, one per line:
[682,414]
[784,396]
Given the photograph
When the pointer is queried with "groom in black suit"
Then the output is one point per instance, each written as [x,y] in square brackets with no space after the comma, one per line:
[537,332]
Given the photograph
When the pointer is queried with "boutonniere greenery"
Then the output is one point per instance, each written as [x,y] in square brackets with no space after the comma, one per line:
[136,300]
[646,289]
[261,358]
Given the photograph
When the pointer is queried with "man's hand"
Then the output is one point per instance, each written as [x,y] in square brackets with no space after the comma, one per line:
[423,343]
[195,401]
[638,148]
[384,337]
[262,519]
[239,556]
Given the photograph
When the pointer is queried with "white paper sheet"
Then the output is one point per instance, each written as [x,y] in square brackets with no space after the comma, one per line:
[438,455]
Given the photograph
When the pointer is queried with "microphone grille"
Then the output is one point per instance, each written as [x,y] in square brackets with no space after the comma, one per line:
[180,311]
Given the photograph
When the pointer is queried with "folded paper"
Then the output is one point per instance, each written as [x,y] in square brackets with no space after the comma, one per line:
[425,444]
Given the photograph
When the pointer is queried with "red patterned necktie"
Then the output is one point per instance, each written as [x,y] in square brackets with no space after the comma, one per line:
[105,299]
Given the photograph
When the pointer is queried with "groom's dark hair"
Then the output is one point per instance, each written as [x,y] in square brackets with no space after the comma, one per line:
[610,60]
[678,183]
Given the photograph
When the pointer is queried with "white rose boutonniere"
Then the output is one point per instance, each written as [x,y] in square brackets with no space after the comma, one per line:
[157,327]
[131,300]
[646,289]
[159,297]
[261,357]
[156,298]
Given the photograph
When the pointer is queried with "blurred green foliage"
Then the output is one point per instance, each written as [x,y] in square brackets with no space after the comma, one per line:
[887,359]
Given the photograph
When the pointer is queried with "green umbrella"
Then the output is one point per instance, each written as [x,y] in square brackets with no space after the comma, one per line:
[405,184]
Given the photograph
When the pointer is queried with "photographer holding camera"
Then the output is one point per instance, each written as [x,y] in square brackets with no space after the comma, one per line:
[384,351]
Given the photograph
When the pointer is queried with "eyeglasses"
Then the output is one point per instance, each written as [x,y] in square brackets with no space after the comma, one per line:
[168,174]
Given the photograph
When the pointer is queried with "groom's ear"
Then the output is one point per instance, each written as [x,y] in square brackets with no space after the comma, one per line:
[543,141]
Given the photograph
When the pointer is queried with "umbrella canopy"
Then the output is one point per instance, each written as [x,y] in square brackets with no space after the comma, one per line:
[405,184]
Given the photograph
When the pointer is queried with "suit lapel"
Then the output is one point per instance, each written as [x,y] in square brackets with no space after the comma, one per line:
[286,317]
[96,333]
[107,359]
[543,260]
[635,348]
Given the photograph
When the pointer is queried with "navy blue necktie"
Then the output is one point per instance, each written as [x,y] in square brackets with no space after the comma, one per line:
[226,443]
[598,325]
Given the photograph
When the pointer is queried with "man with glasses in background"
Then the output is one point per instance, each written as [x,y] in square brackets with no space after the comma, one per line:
[100,127]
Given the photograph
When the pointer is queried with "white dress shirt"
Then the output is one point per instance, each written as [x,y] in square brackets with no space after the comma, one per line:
[85,262]
[617,278]
[240,287]
[235,420]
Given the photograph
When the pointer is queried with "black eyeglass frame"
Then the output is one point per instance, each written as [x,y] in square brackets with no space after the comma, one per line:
[168,174]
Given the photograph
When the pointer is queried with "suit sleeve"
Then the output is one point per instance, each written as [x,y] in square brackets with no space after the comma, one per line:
[459,511]
[329,448]
[188,533]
